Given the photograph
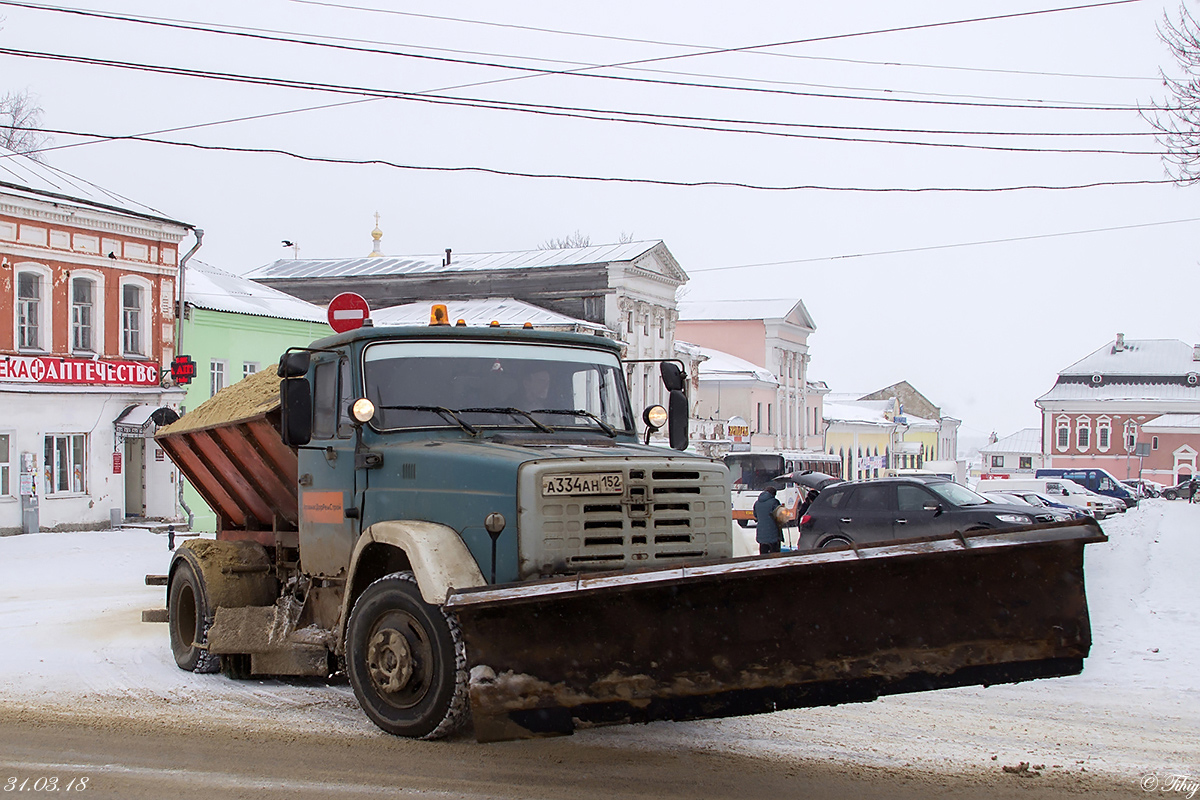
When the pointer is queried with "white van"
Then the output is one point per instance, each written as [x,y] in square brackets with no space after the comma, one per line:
[1057,489]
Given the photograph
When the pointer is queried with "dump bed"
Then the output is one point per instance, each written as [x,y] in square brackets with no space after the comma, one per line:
[230,448]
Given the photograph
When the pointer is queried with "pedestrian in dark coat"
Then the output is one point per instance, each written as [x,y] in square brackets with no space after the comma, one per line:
[769,536]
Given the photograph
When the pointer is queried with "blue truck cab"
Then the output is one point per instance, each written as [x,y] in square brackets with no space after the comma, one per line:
[521,442]
[1097,480]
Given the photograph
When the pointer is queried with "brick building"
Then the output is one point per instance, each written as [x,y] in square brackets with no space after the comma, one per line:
[87,292]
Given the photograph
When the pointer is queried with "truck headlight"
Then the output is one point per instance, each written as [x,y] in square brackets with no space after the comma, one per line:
[363,410]
[1015,519]
[655,417]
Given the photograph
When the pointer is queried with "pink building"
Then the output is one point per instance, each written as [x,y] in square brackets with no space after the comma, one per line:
[773,336]
[1104,405]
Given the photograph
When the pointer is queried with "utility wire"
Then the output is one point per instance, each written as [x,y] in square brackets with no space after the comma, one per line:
[290,37]
[608,179]
[938,247]
[695,46]
[638,118]
[583,73]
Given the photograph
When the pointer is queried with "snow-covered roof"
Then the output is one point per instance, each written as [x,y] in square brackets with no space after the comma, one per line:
[1190,421]
[1026,440]
[725,310]
[22,175]
[459,262]
[1138,357]
[871,412]
[724,366]
[508,312]
[206,286]
[1122,391]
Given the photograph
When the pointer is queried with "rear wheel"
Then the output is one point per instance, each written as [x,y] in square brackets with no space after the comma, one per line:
[406,660]
[835,541]
[189,615]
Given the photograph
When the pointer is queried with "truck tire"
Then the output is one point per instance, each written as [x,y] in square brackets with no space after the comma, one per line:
[189,616]
[406,660]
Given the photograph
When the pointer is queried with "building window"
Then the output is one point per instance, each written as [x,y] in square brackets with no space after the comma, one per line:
[29,311]
[132,320]
[216,374]
[1026,462]
[1130,436]
[5,465]
[1083,436]
[997,461]
[83,315]
[65,459]
[662,328]
[1154,443]
[629,322]
[1063,437]
[249,368]
[1102,434]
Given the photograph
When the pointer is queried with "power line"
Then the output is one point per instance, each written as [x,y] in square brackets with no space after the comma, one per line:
[289,37]
[939,247]
[600,115]
[633,40]
[607,179]
[582,72]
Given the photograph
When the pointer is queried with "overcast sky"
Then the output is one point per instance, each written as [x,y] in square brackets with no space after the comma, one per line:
[981,330]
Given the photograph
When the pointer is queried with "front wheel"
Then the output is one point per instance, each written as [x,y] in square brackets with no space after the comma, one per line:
[406,660]
[1169,494]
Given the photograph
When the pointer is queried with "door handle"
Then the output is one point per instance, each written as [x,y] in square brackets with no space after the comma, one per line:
[844,519]
[901,522]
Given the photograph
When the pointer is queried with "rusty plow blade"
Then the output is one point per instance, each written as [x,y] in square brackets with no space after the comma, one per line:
[762,634]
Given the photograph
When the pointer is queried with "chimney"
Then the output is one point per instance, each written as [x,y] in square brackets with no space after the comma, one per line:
[1119,345]
[1196,352]
[446,262]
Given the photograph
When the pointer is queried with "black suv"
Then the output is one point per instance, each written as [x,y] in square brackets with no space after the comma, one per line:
[904,508]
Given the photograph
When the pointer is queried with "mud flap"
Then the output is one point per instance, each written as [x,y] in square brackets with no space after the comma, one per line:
[768,633]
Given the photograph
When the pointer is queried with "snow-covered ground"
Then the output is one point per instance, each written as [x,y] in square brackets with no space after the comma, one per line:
[72,643]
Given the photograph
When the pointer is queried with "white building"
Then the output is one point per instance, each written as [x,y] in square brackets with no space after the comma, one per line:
[1020,452]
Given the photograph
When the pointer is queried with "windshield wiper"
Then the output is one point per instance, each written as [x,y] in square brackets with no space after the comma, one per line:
[579,413]
[442,411]
[516,412]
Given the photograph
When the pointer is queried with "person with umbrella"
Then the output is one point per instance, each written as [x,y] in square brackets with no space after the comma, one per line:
[768,535]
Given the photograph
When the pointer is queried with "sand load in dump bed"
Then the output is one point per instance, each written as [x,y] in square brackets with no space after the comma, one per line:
[230,449]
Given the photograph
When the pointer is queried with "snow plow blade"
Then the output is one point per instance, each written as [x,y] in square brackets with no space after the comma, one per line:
[768,633]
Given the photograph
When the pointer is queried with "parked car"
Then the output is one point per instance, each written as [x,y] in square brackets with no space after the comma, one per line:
[1034,498]
[903,508]
[1144,488]
[1044,510]
[1057,489]
[1179,490]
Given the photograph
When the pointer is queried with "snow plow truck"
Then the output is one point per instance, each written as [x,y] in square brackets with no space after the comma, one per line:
[466,522]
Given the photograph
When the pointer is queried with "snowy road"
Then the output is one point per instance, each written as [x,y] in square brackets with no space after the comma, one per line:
[78,662]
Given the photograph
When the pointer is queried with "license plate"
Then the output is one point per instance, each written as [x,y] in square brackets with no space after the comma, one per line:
[596,483]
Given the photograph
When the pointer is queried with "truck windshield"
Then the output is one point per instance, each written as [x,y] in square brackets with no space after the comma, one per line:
[415,384]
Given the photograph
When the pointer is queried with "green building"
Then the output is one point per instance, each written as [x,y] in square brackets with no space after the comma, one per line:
[232,328]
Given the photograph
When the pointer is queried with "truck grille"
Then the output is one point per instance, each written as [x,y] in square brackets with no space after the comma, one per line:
[668,514]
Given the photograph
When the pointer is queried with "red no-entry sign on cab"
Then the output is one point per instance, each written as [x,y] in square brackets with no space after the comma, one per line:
[347,312]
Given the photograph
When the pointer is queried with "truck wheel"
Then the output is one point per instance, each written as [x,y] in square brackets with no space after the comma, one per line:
[188,617]
[406,660]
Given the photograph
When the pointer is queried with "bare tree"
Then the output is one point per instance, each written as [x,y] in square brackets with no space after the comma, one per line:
[575,239]
[20,123]
[625,238]
[1177,119]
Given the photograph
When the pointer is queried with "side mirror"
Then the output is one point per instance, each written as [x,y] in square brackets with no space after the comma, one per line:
[294,364]
[673,376]
[677,419]
[295,402]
